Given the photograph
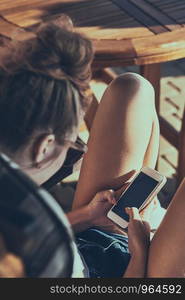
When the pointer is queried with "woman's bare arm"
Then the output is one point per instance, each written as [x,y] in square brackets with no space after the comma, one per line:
[138,242]
[136,267]
[167,250]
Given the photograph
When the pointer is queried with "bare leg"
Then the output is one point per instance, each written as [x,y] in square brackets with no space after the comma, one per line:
[124,136]
[167,250]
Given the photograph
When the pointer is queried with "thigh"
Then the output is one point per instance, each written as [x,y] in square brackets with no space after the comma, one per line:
[124,126]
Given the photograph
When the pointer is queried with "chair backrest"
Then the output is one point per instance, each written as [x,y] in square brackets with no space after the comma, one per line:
[33,225]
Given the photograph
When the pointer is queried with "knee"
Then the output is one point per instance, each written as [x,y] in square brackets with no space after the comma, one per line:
[133,87]
[132,81]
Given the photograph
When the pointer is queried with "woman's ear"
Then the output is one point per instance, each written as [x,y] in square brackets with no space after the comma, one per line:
[44,148]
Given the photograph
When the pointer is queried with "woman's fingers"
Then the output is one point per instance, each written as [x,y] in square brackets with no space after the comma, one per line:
[133,213]
[108,196]
[147,227]
[119,192]
[119,182]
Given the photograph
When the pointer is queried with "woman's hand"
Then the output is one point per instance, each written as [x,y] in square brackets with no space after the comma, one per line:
[138,243]
[138,233]
[94,214]
[99,207]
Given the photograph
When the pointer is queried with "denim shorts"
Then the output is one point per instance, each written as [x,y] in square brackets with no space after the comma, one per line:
[106,254]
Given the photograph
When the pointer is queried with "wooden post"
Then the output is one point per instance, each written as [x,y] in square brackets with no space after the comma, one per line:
[152,73]
[90,114]
[181,158]
[105,75]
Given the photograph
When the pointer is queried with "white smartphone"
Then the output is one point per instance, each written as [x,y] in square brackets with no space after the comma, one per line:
[142,189]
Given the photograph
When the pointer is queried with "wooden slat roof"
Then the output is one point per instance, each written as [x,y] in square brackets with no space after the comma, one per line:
[123,31]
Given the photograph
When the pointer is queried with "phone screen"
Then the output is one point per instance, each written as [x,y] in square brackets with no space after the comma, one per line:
[135,195]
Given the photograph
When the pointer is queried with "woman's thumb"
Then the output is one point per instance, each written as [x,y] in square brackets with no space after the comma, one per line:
[133,213]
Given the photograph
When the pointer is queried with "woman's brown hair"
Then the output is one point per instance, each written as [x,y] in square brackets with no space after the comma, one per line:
[44,83]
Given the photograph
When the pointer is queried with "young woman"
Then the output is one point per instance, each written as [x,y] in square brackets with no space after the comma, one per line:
[43,98]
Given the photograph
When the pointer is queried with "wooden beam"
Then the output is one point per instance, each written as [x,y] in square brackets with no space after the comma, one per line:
[169,132]
[153,74]
[105,75]
[181,158]
[91,112]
